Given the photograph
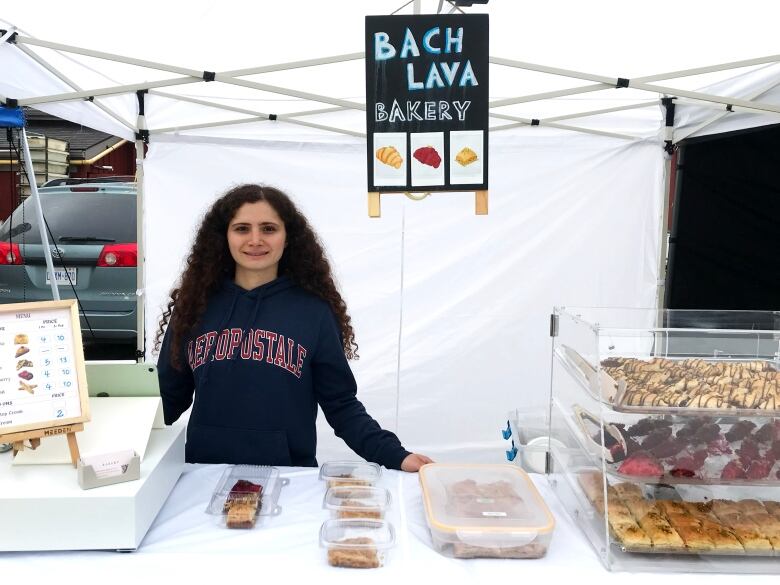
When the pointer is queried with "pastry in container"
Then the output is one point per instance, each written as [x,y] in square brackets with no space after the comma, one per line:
[485,511]
[350,473]
[357,544]
[357,502]
[245,492]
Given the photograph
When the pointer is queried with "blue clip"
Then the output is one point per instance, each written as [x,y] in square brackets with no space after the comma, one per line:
[511,454]
[507,432]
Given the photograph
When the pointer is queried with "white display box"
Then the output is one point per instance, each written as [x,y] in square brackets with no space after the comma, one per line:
[42,507]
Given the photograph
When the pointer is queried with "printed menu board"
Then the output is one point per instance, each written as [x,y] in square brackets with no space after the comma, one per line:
[42,376]
[427,102]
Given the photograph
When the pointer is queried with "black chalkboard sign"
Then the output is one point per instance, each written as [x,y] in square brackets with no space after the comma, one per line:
[427,102]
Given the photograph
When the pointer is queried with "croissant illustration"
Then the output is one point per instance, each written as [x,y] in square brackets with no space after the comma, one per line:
[389,156]
[466,156]
[427,155]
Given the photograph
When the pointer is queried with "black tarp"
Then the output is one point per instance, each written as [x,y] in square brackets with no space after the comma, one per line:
[724,250]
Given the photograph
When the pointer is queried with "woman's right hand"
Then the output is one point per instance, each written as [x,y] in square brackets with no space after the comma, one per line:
[413,462]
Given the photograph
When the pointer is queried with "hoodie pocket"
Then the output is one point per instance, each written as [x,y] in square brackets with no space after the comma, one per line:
[209,444]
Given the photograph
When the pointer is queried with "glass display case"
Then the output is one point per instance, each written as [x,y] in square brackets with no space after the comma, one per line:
[665,436]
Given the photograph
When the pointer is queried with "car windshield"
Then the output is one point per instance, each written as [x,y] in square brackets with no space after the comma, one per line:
[75,217]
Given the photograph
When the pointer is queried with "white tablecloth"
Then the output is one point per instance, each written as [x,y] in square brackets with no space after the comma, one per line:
[186,545]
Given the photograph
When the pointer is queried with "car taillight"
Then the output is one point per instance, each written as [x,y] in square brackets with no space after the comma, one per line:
[118,255]
[9,253]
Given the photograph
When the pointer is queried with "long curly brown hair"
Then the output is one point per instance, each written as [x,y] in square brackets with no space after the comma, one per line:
[210,263]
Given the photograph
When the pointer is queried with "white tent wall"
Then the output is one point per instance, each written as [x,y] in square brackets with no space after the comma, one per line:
[464,299]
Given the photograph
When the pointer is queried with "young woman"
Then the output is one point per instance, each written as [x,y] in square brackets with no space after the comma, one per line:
[259,333]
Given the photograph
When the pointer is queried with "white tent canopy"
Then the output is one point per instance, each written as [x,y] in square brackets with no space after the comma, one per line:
[450,309]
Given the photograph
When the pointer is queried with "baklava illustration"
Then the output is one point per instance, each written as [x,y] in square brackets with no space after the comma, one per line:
[390,156]
[428,155]
[21,338]
[466,156]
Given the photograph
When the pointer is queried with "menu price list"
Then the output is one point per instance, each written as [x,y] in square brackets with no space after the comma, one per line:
[38,381]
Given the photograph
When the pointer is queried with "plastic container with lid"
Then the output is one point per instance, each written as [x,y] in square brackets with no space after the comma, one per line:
[357,544]
[351,473]
[491,511]
[357,502]
[245,492]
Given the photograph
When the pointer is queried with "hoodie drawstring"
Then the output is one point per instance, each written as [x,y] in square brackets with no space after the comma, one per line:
[256,309]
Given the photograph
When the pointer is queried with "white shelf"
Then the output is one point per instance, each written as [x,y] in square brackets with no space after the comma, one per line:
[42,507]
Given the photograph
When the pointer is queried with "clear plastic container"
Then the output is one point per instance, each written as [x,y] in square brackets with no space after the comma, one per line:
[245,492]
[357,544]
[357,502]
[487,511]
[350,473]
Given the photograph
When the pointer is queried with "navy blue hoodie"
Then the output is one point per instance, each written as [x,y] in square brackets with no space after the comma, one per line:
[259,362]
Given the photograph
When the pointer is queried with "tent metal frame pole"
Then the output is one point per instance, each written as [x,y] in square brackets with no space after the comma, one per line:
[706,97]
[238,110]
[644,79]
[105,91]
[111,57]
[601,79]
[140,274]
[669,106]
[536,97]
[121,89]
[711,68]
[290,92]
[263,118]
[30,53]
[35,196]
[611,84]
[713,119]
[243,110]
[637,84]
[653,102]
[528,122]
[185,70]
[295,65]
[663,244]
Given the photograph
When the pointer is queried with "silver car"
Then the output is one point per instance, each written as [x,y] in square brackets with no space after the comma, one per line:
[92,231]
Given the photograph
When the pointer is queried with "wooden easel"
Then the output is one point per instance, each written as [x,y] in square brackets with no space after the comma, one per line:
[480,203]
[35,436]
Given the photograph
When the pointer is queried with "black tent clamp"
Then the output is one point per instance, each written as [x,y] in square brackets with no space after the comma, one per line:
[209,76]
[142,135]
[622,82]
[668,103]
[11,39]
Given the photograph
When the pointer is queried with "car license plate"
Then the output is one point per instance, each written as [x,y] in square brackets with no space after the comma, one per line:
[61,276]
